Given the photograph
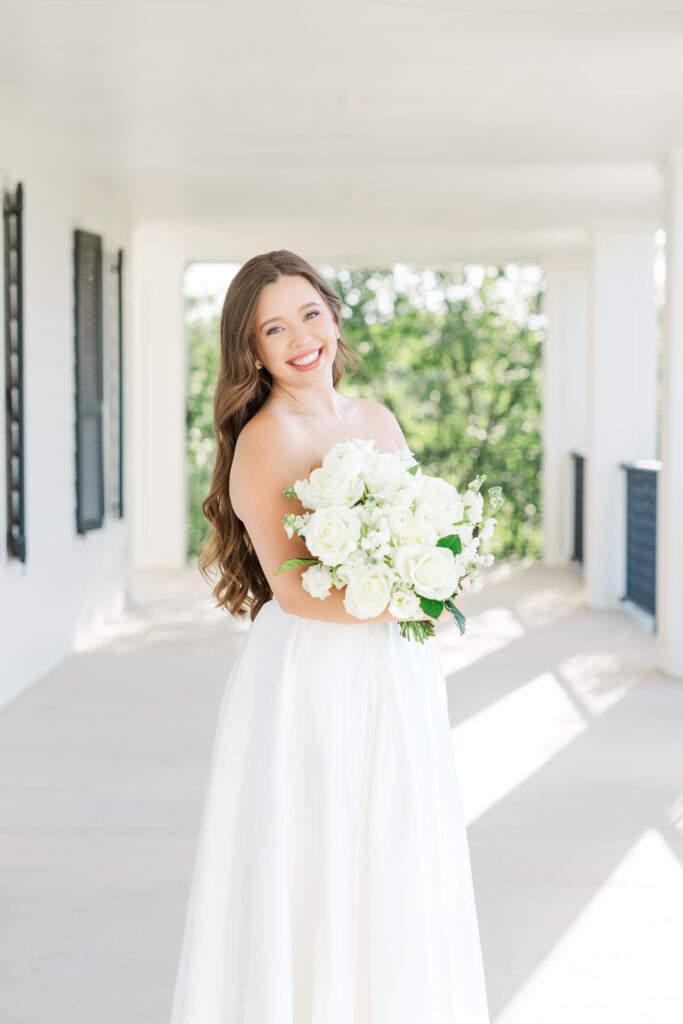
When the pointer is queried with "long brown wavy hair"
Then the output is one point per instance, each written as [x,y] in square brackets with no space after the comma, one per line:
[240,392]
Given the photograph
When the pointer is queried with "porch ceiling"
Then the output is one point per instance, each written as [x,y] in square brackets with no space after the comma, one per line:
[433,129]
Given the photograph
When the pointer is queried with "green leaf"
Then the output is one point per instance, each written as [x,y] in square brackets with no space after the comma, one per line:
[458,616]
[292,563]
[431,608]
[413,469]
[452,542]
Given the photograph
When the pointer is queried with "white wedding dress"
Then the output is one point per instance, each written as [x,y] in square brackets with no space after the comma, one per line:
[332,880]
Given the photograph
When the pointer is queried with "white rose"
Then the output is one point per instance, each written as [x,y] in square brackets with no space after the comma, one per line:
[380,469]
[345,457]
[422,533]
[317,581]
[404,604]
[440,503]
[331,534]
[368,592]
[326,487]
[476,506]
[431,570]
[400,490]
[401,521]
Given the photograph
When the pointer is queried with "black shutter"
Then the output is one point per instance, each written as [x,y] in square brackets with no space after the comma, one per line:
[118,499]
[14,373]
[88,317]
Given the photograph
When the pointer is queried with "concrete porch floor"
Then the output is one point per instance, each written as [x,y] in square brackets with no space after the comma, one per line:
[569,748]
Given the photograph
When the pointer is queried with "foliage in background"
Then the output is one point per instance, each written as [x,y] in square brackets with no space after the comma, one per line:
[455,353]
[204,357]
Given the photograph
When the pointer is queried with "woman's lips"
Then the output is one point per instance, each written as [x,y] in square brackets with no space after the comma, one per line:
[308,366]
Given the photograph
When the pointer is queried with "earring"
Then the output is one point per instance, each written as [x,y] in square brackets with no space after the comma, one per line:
[258,364]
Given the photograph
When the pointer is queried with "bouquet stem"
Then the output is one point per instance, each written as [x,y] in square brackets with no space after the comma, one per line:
[417,629]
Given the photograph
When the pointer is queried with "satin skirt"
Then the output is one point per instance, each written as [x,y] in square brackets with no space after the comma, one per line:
[332,880]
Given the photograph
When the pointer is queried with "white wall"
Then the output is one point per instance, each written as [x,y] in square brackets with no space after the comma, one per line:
[70,583]
[159,508]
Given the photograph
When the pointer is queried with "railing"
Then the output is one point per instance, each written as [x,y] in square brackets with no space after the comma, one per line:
[641,533]
[577,553]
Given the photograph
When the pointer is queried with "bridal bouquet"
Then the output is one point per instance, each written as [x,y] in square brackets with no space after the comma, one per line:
[391,534]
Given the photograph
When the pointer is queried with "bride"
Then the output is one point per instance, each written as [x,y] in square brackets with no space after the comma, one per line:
[332,880]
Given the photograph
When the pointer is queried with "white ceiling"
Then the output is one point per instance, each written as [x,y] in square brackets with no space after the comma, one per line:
[381,129]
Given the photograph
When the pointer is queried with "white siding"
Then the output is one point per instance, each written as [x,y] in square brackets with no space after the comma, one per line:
[70,583]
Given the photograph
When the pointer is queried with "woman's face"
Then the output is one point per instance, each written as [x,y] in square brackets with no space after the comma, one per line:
[295,331]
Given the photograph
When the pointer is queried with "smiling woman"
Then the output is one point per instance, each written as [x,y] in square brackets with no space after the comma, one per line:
[306,339]
[332,879]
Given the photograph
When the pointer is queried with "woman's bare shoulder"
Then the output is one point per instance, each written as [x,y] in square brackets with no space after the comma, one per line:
[266,438]
[266,457]
[373,412]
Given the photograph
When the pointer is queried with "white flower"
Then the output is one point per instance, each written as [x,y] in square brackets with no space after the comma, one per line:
[331,534]
[346,457]
[404,604]
[365,445]
[400,490]
[368,592]
[488,528]
[474,503]
[406,457]
[326,487]
[380,469]
[439,503]
[401,521]
[469,550]
[356,563]
[422,533]
[431,570]
[464,532]
[317,580]
[477,583]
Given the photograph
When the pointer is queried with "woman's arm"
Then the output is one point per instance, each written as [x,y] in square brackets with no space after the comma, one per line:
[267,460]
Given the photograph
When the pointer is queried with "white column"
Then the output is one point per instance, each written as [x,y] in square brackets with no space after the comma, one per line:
[670,484]
[563,401]
[159,370]
[621,390]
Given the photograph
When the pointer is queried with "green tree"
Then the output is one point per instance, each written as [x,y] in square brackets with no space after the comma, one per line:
[461,374]
[200,449]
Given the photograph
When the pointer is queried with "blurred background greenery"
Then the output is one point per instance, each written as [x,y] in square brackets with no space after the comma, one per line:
[455,353]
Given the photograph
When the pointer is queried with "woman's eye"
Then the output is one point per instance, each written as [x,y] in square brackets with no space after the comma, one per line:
[315,312]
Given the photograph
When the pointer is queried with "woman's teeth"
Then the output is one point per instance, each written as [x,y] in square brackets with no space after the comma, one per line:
[305,360]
